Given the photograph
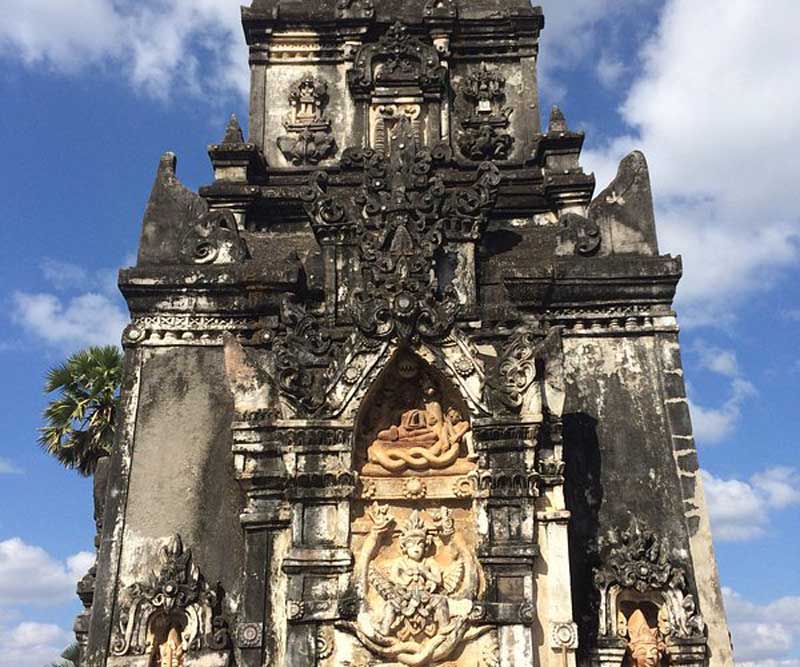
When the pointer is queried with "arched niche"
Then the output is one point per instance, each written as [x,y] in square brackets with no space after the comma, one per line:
[413,422]
[165,639]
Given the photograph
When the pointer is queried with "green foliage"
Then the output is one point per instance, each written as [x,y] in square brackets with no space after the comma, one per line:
[79,423]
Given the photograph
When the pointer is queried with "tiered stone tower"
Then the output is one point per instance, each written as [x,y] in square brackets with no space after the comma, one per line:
[397,382]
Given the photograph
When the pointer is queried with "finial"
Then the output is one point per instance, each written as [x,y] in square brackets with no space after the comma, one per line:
[233,133]
[558,123]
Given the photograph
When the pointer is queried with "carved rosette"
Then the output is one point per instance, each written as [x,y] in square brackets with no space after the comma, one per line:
[399,220]
[175,611]
[310,140]
[485,121]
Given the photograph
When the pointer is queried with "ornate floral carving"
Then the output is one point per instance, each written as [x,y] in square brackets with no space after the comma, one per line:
[310,140]
[300,347]
[427,593]
[397,59]
[213,239]
[175,612]
[483,136]
[399,220]
[635,562]
[637,559]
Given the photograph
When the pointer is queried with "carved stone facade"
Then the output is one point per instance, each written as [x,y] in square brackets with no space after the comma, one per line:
[407,391]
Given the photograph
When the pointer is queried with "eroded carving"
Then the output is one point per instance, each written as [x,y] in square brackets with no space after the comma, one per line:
[415,606]
[579,236]
[175,613]
[213,239]
[301,347]
[486,120]
[310,140]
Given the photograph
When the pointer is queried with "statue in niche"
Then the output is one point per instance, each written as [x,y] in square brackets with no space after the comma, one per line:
[425,439]
[166,644]
[426,593]
[646,647]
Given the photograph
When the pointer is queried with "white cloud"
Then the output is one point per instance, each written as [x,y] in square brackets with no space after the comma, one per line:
[158,45]
[763,635]
[29,575]
[8,468]
[719,131]
[714,425]
[571,33]
[610,69]
[87,319]
[740,510]
[32,644]
[781,486]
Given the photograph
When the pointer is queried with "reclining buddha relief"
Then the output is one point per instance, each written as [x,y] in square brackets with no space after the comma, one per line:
[415,424]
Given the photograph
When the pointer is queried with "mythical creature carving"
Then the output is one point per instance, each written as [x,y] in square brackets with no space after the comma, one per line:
[400,220]
[174,614]
[483,136]
[213,239]
[423,616]
[310,140]
[424,439]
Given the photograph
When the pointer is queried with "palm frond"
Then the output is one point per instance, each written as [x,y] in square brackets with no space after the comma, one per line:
[78,425]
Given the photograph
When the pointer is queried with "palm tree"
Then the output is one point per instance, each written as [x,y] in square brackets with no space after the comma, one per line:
[79,422]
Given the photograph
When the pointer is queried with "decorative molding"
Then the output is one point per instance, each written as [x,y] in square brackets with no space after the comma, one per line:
[170,329]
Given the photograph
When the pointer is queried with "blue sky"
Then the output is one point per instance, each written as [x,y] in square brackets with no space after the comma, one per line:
[94,91]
